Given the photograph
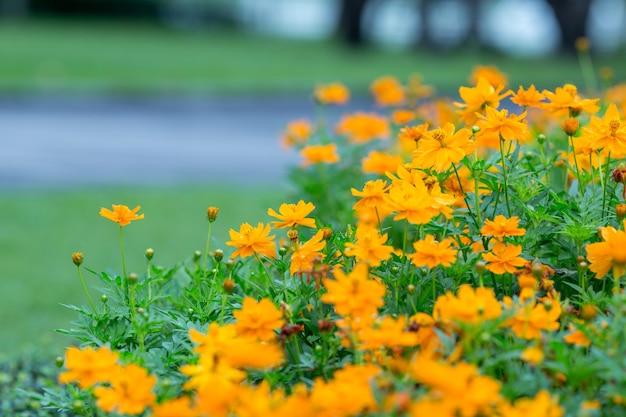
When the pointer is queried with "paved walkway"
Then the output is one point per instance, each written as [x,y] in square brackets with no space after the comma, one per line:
[135,141]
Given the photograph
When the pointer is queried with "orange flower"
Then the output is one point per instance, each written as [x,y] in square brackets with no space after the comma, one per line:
[121,214]
[610,253]
[297,132]
[372,195]
[500,124]
[293,215]
[388,91]
[380,162]
[370,247]
[501,227]
[252,241]
[130,391]
[608,133]
[531,319]
[307,253]
[441,148]
[533,355]
[430,253]
[565,102]
[504,258]
[258,320]
[363,127]
[470,306]
[320,153]
[355,294]
[477,98]
[528,98]
[413,133]
[577,337]
[492,74]
[389,332]
[414,202]
[178,407]
[402,116]
[89,366]
[334,93]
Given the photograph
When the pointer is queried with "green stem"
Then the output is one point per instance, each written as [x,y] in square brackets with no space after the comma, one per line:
[125,276]
[458,178]
[479,216]
[604,186]
[206,250]
[82,281]
[580,182]
[506,183]
[223,310]
[133,315]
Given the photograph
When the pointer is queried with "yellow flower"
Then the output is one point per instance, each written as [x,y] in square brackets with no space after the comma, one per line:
[441,148]
[380,162]
[477,98]
[372,195]
[533,355]
[528,98]
[388,91]
[501,227]
[363,127]
[492,74]
[608,133]
[306,254]
[504,258]
[531,319]
[469,306]
[258,320]
[565,102]
[252,240]
[430,253]
[178,407]
[496,123]
[370,247]
[389,333]
[121,214]
[292,215]
[297,132]
[402,116]
[315,154]
[130,391]
[334,93]
[610,253]
[354,294]
[89,366]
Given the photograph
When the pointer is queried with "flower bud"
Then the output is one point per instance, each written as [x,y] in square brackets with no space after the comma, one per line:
[77,258]
[620,211]
[59,361]
[481,267]
[104,298]
[475,129]
[211,213]
[588,312]
[218,255]
[230,264]
[133,278]
[292,234]
[325,325]
[410,288]
[619,174]
[229,285]
[149,254]
[541,138]
[197,255]
[78,406]
[570,126]
[282,251]
[327,233]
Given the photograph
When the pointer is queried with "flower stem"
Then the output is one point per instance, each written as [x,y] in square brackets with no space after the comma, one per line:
[82,281]
[506,183]
[604,185]
[580,183]
[206,250]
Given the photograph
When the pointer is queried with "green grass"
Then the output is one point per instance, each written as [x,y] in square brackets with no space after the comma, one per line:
[59,56]
[40,230]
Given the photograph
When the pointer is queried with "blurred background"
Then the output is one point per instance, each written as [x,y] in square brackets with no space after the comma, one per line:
[176,105]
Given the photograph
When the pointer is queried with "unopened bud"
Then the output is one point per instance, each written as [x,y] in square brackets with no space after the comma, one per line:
[104,298]
[570,126]
[327,233]
[541,138]
[229,285]
[588,312]
[481,267]
[230,264]
[149,253]
[58,362]
[218,255]
[410,288]
[325,325]
[211,213]
[287,311]
[583,265]
[77,258]
[133,278]
[620,211]
[197,255]
[292,234]
[282,251]
[78,406]
[475,129]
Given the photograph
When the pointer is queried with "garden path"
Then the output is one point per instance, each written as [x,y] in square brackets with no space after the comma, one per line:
[72,141]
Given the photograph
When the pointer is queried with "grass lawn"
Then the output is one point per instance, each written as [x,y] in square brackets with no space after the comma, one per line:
[40,231]
[67,56]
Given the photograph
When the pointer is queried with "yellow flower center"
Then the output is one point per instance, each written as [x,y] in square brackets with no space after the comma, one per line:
[439,135]
[614,124]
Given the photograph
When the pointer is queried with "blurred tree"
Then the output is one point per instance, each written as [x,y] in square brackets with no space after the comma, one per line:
[350,27]
[572,16]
